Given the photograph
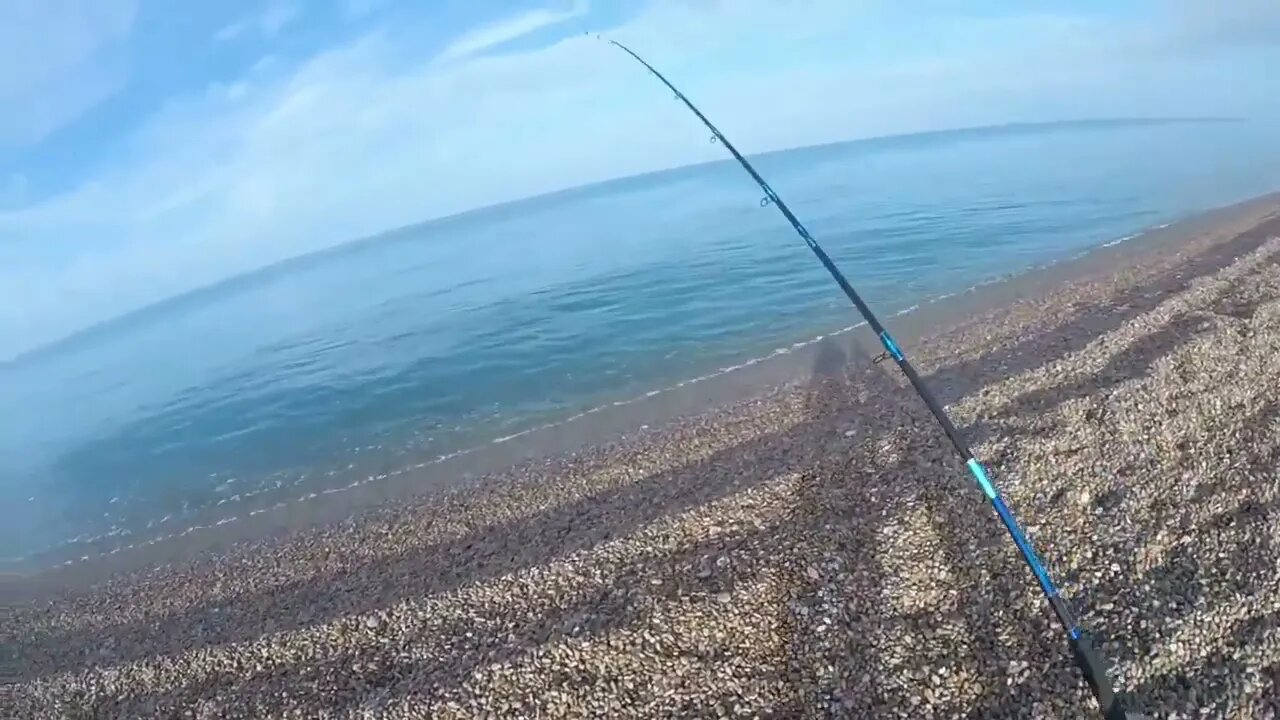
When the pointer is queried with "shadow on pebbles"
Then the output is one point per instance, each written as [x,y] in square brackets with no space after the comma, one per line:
[814,552]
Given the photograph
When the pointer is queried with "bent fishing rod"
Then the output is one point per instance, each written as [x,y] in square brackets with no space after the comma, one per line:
[1086,657]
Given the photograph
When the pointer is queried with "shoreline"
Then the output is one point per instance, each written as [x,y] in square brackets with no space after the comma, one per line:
[418,479]
[810,552]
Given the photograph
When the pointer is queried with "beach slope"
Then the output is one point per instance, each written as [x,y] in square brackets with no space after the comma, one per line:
[811,552]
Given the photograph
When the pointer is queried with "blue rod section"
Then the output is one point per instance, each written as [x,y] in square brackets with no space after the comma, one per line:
[890,346]
[1021,541]
[984,482]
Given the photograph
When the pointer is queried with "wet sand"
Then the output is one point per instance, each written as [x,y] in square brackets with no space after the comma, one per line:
[815,550]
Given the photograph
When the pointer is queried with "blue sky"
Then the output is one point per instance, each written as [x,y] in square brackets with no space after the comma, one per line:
[150,147]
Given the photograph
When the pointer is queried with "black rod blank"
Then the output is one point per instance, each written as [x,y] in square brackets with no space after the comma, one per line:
[1082,649]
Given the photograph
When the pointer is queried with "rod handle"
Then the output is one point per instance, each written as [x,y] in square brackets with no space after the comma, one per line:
[1095,673]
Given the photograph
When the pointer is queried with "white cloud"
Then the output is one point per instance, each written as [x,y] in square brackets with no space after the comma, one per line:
[357,140]
[277,15]
[268,22]
[507,30]
[358,9]
[232,31]
[1225,23]
[59,59]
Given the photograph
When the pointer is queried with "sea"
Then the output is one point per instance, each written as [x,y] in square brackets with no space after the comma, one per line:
[337,369]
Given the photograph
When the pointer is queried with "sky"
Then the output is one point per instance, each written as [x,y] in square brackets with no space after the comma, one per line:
[148,147]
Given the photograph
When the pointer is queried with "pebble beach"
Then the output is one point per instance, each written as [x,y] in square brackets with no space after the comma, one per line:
[813,551]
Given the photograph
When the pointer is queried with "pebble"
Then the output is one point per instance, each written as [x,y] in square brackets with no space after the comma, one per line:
[739,564]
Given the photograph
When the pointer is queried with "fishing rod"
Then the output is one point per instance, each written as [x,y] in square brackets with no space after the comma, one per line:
[1086,657]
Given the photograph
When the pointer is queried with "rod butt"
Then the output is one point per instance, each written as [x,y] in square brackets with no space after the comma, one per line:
[1095,673]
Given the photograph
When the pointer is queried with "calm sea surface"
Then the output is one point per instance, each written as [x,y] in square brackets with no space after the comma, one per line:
[460,331]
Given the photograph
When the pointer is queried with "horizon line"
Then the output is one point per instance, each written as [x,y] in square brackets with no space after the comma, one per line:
[101,326]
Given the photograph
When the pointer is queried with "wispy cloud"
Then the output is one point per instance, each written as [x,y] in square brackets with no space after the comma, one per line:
[268,22]
[59,60]
[495,34]
[1226,23]
[232,31]
[379,132]
[358,9]
[277,15]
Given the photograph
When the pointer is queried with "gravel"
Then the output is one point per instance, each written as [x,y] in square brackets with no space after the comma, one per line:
[815,552]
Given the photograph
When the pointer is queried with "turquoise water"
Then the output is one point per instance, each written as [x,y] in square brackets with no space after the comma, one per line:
[458,331]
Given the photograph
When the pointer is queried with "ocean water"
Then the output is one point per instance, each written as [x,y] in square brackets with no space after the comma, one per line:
[447,336]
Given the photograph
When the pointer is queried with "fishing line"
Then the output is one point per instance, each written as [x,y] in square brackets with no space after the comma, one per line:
[1082,648]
